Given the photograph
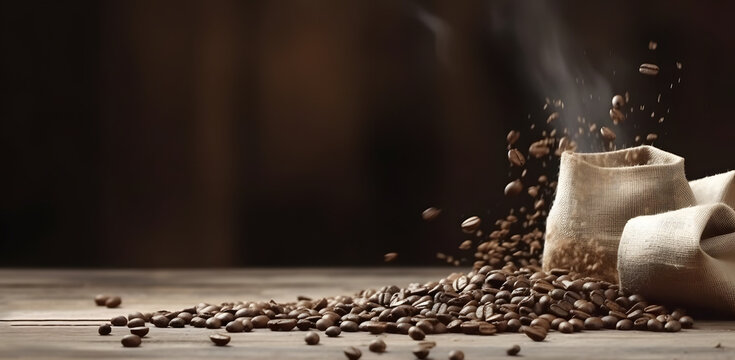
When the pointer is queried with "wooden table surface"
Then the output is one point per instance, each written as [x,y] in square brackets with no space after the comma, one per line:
[48,314]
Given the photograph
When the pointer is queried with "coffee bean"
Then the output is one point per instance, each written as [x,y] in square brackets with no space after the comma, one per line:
[648,69]
[456,355]
[333,331]
[160,321]
[323,324]
[618,101]
[421,352]
[247,325]
[140,331]
[672,326]
[486,329]
[104,329]
[578,324]
[651,137]
[416,333]
[198,322]
[234,326]
[616,116]
[130,340]
[566,327]
[516,158]
[352,353]
[219,339]
[113,302]
[101,299]
[654,325]
[213,323]
[136,322]
[609,322]
[390,257]
[377,346]
[282,324]
[513,188]
[686,322]
[624,324]
[260,321]
[465,245]
[430,213]
[403,328]
[311,338]
[375,327]
[539,149]
[186,316]
[348,326]
[513,350]
[593,323]
[512,137]
[607,134]
[536,333]
[471,224]
[119,321]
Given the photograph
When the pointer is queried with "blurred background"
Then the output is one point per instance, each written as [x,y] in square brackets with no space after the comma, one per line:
[287,133]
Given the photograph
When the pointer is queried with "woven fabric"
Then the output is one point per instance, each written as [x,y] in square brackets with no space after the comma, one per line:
[715,189]
[682,257]
[597,194]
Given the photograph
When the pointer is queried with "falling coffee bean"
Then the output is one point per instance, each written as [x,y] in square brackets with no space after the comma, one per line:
[113,302]
[607,134]
[648,69]
[333,331]
[430,214]
[512,137]
[553,117]
[130,340]
[513,188]
[616,116]
[140,331]
[421,352]
[516,158]
[465,245]
[352,353]
[234,326]
[104,329]
[471,224]
[377,346]
[513,350]
[219,339]
[618,101]
[416,333]
[119,321]
[311,338]
[390,257]
[651,137]
[101,299]
[456,355]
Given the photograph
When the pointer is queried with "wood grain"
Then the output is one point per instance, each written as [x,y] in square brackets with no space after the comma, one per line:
[50,314]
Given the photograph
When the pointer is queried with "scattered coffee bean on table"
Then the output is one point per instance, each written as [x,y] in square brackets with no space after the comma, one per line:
[311,338]
[212,323]
[160,321]
[113,302]
[140,331]
[390,256]
[220,339]
[135,322]
[333,331]
[177,322]
[514,350]
[101,299]
[353,353]
[130,340]
[456,355]
[377,346]
[104,329]
[235,326]
[416,333]
[421,352]
[283,324]
[119,321]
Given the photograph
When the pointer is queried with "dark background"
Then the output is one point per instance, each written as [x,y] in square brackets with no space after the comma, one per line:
[258,133]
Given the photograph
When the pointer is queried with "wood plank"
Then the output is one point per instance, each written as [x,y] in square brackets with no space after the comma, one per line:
[66,295]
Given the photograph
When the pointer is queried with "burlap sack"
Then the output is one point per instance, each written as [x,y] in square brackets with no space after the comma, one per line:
[682,257]
[597,194]
[715,189]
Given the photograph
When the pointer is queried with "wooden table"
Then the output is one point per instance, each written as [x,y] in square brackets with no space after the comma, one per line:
[50,314]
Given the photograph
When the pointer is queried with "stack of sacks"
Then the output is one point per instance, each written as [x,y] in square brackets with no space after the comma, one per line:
[631,216]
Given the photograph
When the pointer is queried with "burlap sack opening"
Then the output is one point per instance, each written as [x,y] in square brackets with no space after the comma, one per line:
[597,194]
[682,257]
[715,189]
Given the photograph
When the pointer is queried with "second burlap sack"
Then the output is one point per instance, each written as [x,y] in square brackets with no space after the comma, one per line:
[597,194]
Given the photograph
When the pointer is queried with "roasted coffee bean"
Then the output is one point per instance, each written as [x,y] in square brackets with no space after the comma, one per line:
[609,322]
[101,299]
[516,158]
[471,224]
[578,324]
[233,326]
[403,328]
[377,346]
[618,101]
[640,323]
[654,325]
[140,331]
[425,325]
[514,325]
[375,327]
[284,325]
[304,324]
[648,69]
[465,245]
[119,321]
[512,137]
[260,321]
[593,323]
[160,321]
[416,333]
[536,333]
[607,134]
[430,213]
[552,117]
[198,322]
[686,322]
[311,338]
[113,301]
[513,188]
[566,327]
[486,329]
[214,323]
[352,353]
[390,256]
[333,331]
[456,355]
[616,116]
[136,315]
[247,325]
[421,352]
[624,324]
[672,326]
[513,350]
[348,326]
[177,322]
[130,340]
[225,317]
[220,339]
[136,322]
[541,322]
[104,329]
